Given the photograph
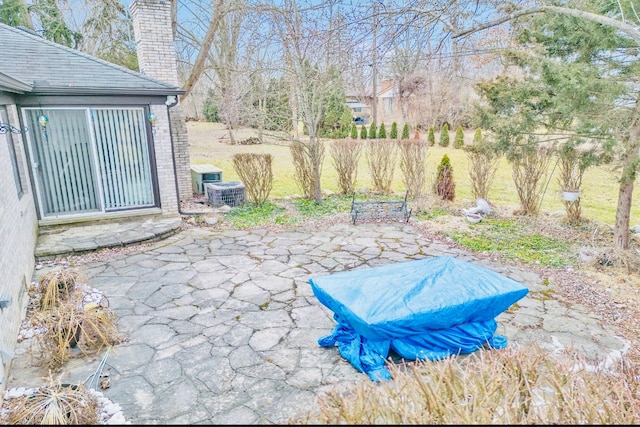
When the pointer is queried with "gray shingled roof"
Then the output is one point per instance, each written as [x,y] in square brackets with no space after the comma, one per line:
[51,68]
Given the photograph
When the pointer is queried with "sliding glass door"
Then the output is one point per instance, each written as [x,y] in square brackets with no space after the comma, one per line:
[89,160]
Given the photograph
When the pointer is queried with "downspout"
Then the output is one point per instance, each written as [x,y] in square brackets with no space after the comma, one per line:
[171,102]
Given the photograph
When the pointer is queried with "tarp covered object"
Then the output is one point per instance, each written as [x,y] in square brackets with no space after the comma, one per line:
[425,309]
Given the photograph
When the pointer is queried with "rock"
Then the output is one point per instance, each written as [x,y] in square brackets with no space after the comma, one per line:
[586,254]
[117,418]
[15,393]
[111,408]
[211,220]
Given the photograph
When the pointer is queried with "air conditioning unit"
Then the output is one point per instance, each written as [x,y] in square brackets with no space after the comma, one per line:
[204,174]
[230,193]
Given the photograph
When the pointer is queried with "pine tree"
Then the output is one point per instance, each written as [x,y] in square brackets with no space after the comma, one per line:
[431,136]
[373,131]
[445,187]
[477,137]
[458,140]
[354,131]
[444,135]
[394,131]
[382,132]
[405,131]
[363,132]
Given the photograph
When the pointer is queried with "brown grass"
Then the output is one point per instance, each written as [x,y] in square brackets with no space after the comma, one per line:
[56,287]
[68,320]
[55,403]
[510,386]
[69,327]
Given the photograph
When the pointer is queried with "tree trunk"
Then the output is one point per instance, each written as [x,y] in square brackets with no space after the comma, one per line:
[621,231]
[229,126]
[315,159]
[630,163]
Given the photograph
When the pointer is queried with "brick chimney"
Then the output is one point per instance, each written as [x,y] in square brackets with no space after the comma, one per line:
[157,59]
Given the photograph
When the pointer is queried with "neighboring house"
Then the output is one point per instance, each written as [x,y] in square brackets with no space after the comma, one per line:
[386,104]
[388,101]
[359,109]
[82,140]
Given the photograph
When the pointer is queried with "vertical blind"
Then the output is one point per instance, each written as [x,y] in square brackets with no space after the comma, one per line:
[123,157]
[90,160]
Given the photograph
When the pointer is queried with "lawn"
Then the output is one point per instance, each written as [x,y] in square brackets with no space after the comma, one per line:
[598,197]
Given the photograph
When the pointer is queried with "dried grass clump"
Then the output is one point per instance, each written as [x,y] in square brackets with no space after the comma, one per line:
[628,260]
[55,403]
[507,386]
[89,329]
[56,287]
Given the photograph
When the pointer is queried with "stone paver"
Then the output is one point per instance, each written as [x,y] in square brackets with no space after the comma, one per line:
[64,240]
[223,326]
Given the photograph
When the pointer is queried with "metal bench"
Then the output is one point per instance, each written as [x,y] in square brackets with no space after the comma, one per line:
[380,209]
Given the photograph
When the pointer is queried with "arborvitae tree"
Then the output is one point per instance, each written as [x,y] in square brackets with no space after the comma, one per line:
[477,137]
[382,132]
[337,119]
[363,132]
[354,131]
[444,135]
[394,131]
[458,140]
[373,131]
[405,131]
[445,187]
[431,136]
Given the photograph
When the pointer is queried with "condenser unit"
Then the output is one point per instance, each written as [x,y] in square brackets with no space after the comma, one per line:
[204,174]
[230,193]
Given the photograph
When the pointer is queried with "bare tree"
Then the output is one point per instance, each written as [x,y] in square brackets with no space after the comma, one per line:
[308,54]
[230,81]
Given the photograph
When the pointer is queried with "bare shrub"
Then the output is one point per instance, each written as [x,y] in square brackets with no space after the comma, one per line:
[255,171]
[345,154]
[483,161]
[381,156]
[529,165]
[307,161]
[573,161]
[413,164]
[507,387]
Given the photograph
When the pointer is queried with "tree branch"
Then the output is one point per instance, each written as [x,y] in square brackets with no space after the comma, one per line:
[198,66]
[630,30]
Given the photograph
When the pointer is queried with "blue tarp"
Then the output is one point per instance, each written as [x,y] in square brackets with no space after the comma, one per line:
[426,309]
